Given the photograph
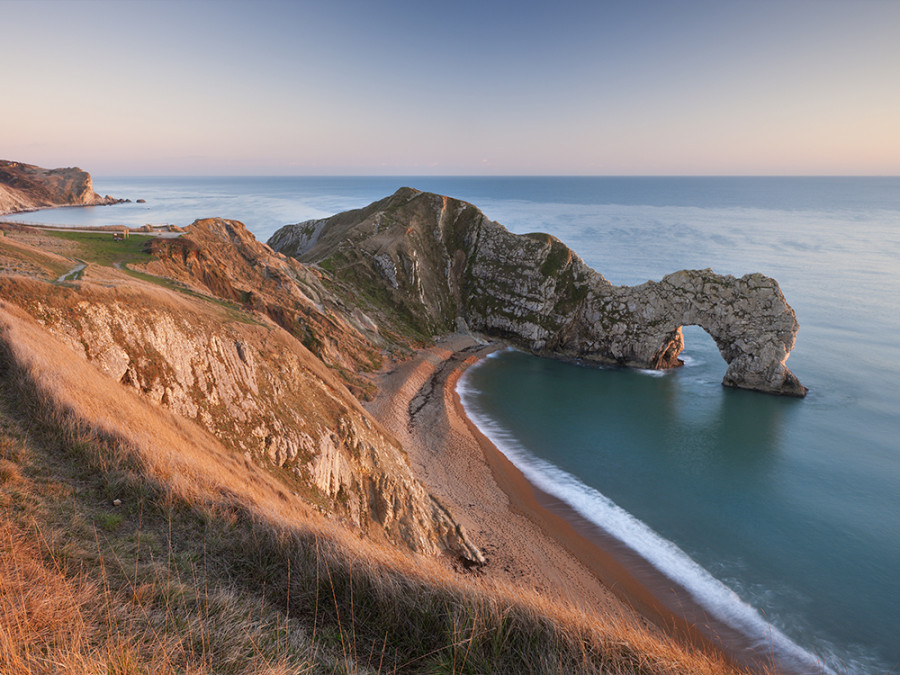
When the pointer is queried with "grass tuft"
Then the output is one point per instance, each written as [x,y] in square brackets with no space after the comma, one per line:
[9,472]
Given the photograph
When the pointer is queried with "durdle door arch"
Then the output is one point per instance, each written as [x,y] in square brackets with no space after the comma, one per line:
[748,318]
[440,260]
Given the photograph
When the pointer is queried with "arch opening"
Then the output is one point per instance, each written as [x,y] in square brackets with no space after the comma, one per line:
[701,350]
[689,344]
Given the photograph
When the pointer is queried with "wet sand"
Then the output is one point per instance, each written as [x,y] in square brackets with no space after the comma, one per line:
[527,536]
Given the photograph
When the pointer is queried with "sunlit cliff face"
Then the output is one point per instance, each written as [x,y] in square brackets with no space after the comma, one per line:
[25,187]
[223,348]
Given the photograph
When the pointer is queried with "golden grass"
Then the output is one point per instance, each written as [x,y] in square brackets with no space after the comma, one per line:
[212,566]
[16,256]
[41,622]
[55,622]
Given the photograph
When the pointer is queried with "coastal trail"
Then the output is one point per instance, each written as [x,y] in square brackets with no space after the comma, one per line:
[73,273]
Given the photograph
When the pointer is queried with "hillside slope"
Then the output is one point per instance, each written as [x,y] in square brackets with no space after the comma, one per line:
[155,518]
[222,258]
[250,383]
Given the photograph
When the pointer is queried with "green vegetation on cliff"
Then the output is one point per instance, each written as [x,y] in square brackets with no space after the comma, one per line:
[101,248]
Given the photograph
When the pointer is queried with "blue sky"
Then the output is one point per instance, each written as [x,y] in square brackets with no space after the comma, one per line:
[348,87]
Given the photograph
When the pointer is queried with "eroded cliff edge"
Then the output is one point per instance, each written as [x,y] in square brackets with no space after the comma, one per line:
[215,328]
[25,187]
[424,263]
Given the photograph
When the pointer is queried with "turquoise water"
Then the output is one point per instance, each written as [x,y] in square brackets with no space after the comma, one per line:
[792,504]
[782,515]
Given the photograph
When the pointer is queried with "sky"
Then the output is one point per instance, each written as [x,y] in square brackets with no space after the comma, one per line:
[486,87]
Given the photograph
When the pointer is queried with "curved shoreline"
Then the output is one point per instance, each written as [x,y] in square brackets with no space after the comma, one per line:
[638,582]
[527,535]
[420,404]
[589,544]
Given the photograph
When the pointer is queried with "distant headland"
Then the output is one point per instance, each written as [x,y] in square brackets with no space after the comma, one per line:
[26,187]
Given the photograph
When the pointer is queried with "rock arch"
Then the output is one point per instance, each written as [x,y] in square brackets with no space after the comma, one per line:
[748,318]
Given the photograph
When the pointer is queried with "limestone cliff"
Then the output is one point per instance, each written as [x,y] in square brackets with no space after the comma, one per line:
[423,262]
[25,187]
[247,380]
[223,258]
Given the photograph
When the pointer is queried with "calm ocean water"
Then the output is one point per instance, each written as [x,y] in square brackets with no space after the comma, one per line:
[781,516]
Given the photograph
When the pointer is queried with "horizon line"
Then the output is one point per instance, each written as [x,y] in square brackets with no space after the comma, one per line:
[482,176]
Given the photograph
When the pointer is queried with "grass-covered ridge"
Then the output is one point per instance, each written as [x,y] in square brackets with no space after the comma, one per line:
[102,249]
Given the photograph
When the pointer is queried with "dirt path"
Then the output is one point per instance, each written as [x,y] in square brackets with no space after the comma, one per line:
[73,273]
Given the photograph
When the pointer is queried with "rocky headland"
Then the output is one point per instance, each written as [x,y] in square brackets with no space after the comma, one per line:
[25,187]
[428,264]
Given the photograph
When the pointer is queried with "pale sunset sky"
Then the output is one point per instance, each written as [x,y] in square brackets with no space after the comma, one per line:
[486,87]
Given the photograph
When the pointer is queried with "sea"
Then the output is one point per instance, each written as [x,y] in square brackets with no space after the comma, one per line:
[779,516]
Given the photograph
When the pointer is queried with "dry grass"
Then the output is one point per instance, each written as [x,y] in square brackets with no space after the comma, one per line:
[19,258]
[54,621]
[41,620]
[208,564]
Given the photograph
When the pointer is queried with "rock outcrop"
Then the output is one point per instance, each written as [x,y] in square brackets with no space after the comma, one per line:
[423,262]
[25,187]
[222,258]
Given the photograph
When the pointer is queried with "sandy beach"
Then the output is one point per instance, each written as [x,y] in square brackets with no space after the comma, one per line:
[527,537]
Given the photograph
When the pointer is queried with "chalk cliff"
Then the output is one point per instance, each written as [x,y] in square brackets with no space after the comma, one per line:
[423,263]
[221,257]
[245,377]
[25,187]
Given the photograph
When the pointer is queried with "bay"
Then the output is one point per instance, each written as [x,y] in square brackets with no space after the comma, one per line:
[793,505]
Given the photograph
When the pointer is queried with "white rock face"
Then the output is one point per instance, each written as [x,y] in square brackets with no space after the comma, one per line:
[261,393]
[298,238]
[749,319]
[555,304]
